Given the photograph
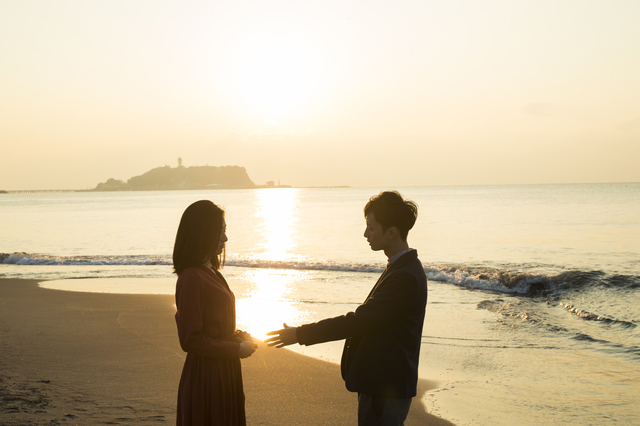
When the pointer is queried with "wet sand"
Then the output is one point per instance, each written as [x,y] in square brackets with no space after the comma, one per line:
[87,358]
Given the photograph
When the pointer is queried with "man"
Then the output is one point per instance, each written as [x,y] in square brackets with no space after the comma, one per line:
[383,335]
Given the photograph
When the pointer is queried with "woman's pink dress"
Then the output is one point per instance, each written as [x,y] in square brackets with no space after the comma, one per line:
[210,391]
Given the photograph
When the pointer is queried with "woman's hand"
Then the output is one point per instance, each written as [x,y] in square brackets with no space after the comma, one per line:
[240,336]
[245,336]
[246,349]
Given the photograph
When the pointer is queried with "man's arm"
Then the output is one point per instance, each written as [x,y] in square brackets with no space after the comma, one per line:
[389,303]
[285,337]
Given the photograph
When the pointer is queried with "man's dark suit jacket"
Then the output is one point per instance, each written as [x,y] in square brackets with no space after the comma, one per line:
[383,335]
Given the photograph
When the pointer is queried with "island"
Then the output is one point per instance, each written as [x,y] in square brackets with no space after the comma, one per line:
[195,177]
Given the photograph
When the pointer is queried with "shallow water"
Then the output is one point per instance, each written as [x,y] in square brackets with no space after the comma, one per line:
[507,369]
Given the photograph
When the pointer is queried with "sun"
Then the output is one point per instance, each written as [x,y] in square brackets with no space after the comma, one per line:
[275,72]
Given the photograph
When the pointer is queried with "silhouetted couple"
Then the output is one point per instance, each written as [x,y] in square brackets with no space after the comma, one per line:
[383,335]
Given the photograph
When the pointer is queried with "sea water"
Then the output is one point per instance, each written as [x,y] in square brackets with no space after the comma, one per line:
[533,290]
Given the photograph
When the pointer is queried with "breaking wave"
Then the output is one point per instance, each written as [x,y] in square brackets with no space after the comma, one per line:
[511,280]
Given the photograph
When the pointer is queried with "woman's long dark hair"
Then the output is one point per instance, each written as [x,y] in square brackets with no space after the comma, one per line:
[198,237]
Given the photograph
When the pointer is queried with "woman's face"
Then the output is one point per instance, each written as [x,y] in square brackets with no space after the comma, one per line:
[223,237]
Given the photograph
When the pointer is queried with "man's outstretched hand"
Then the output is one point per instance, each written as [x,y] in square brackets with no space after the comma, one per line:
[284,337]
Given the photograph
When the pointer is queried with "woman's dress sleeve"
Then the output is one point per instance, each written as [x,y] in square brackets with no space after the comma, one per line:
[190,302]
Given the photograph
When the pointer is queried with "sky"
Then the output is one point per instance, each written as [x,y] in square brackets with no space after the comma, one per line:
[321,93]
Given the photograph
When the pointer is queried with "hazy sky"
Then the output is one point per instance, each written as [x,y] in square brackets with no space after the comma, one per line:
[316,93]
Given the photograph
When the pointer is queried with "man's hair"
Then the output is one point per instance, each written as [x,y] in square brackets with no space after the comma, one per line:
[390,209]
[198,237]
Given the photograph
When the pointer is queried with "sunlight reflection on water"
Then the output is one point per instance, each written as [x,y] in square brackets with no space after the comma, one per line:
[263,297]
[277,214]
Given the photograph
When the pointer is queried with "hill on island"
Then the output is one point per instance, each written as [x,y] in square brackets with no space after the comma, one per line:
[195,177]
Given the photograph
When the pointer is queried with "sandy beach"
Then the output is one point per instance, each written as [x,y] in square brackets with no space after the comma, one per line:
[88,358]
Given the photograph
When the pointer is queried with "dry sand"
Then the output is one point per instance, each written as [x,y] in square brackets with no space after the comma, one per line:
[70,358]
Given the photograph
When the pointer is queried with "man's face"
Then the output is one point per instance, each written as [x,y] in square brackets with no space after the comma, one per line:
[374,234]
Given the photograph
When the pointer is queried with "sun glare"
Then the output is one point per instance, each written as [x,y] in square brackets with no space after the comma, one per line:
[267,307]
[275,72]
[277,208]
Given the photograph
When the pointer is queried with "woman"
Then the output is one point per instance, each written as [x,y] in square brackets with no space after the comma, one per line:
[210,391]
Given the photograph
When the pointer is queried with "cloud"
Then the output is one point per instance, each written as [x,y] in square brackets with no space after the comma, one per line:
[631,126]
[539,109]
[271,133]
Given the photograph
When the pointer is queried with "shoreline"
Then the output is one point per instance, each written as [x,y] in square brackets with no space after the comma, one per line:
[93,357]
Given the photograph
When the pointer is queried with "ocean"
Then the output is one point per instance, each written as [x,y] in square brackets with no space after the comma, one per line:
[533,289]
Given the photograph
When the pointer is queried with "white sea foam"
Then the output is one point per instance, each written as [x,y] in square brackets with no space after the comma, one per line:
[503,280]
